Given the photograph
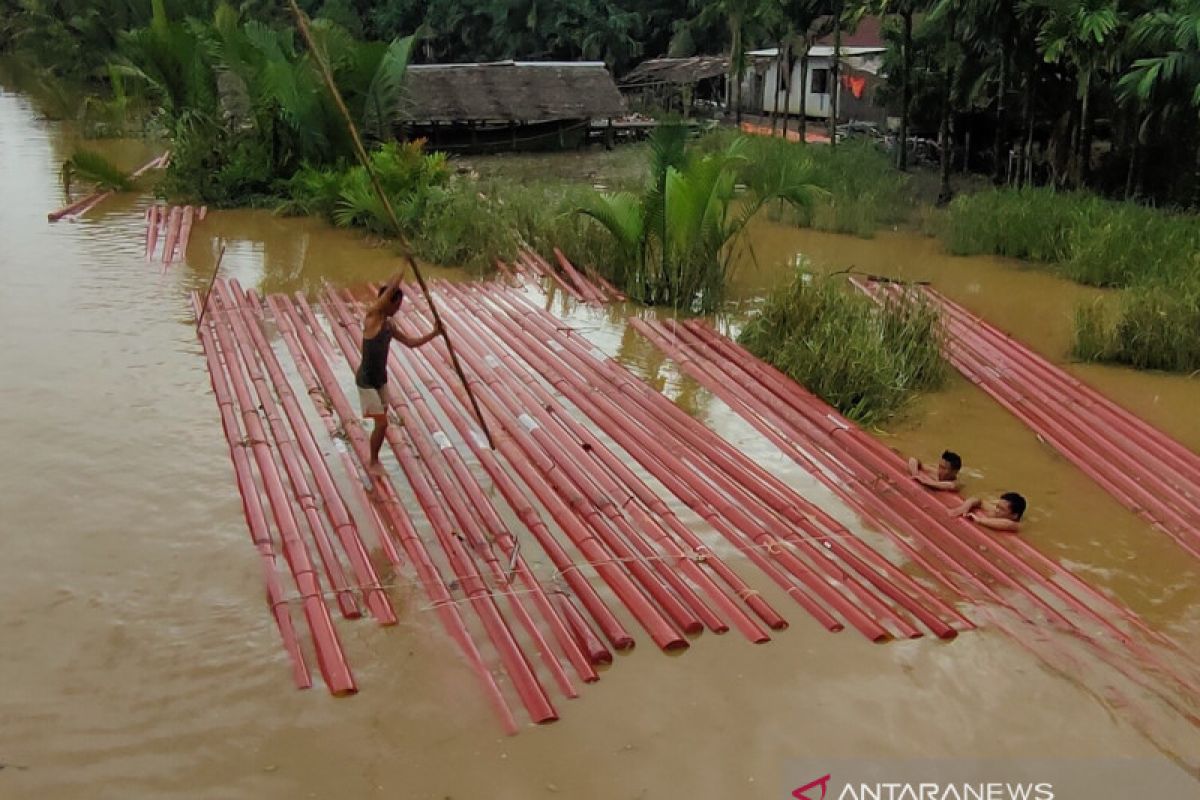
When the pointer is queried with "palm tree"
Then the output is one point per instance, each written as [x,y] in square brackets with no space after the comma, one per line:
[1079,32]
[675,240]
[837,11]
[1168,81]
[734,14]
[945,18]
[906,10]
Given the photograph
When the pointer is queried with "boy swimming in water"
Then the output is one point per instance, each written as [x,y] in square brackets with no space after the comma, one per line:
[1003,515]
[944,478]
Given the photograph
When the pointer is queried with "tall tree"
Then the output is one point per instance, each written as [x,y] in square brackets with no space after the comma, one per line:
[1166,81]
[1080,33]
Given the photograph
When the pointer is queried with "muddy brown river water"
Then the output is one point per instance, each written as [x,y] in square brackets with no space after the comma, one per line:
[138,660]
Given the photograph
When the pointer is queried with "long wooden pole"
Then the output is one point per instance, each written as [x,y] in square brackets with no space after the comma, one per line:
[211,282]
[361,153]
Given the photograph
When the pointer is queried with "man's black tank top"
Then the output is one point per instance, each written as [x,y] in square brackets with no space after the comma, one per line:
[372,372]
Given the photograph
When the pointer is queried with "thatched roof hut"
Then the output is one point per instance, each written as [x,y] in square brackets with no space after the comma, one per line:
[511,92]
[676,70]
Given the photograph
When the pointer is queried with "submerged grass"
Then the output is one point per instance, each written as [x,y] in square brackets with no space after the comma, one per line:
[1154,256]
[1151,327]
[864,192]
[1087,239]
[865,360]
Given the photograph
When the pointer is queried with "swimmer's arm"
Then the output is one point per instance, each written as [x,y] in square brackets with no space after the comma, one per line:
[996,523]
[969,505]
[930,482]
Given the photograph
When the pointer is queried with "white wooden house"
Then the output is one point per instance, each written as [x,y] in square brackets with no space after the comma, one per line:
[858,73]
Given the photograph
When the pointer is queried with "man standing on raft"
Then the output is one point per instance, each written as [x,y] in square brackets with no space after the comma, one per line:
[371,378]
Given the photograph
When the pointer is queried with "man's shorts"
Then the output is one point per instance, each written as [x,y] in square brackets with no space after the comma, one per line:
[374,401]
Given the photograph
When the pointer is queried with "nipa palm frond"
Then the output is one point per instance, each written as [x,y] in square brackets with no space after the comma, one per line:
[94,168]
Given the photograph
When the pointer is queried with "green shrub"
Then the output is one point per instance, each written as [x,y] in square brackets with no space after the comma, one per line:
[863,192]
[462,226]
[865,360]
[1089,240]
[1152,327]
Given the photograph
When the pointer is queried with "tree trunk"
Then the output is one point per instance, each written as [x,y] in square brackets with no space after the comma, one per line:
[787,87]
[735,66]
[1085,134]
[998,162]
[779,62]
[946,193]
[905,91]
[1135,153]
[1196,182]
[1025,163]
[804,94]
[833,73]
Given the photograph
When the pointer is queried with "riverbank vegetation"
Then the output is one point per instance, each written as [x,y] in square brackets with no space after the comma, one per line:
[866,360]
[1154,256]
[674,239]
[1068,102]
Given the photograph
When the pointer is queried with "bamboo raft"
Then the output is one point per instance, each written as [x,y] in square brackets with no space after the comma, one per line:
[466,522]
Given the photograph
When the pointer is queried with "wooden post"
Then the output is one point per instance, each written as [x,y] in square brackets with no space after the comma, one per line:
[512,129]
[609,135]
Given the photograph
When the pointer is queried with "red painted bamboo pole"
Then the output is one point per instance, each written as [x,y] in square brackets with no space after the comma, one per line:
[335,508]
[618,481]
[1182,458]
[786,557]
[238,356]
[613,291]
[539,266]
[682,606]
[524,680]
[573,515]
[825,532]
[152,231]
[647,451]
[625,481]
[330,658]
[417,372]
[324,409]
[437,453]
[185,232]
[597,653]
[585,286]
[821,559]
[256,520]
[875,457]
[174,219]
[718,463]
[1104,447]
[435,587]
